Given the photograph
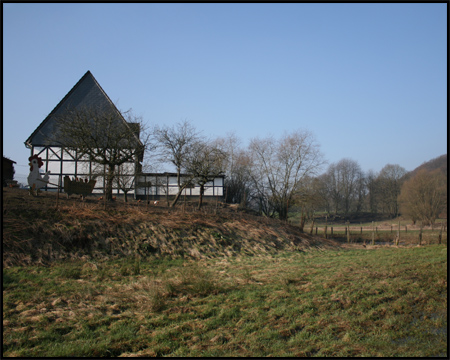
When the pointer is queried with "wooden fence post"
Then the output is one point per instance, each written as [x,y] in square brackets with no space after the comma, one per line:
[326,231]
[331,235]
[440,234]
[57,197]
[420,234]
[348,232]
[397,240]
[373,234]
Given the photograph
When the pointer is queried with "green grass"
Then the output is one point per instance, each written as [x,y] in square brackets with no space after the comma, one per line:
[379,302]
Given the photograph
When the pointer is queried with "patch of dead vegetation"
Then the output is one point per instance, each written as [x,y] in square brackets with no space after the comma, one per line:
[41,230]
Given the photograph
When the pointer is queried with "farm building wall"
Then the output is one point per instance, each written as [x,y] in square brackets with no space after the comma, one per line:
[87,93]
[162,186]
[61,162]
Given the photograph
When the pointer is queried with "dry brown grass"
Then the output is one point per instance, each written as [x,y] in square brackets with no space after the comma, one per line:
[43,229]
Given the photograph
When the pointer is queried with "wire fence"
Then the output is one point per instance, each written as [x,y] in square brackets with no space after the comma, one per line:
[400,234]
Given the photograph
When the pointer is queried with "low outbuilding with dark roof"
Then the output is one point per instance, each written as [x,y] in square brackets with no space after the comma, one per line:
[7,171]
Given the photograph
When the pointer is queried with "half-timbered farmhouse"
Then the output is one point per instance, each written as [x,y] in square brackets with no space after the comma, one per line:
[62,162]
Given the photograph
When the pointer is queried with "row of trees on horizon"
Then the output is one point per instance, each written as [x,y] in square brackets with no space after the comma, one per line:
[272,175]
[275,176]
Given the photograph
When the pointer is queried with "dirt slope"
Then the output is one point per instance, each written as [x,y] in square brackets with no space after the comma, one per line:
[38,230]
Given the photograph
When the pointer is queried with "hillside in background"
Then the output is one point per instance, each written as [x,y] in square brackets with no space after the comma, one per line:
[38,230]
[437,163]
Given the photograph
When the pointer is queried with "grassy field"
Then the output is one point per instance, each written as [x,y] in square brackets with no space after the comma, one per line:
[385,301]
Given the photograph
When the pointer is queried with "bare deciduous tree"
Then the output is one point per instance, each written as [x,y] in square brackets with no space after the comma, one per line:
[174,144]
[308,199]
[390,181]
[103,136]
[373,192]
[125,179]
[344,182]
[323,191]
[331,183]
[424,196]
[238,183]
[279,167]
[237,171]
[205,162]
[350,174]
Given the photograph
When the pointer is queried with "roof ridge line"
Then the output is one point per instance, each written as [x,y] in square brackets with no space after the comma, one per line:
[64,99]
[27,142]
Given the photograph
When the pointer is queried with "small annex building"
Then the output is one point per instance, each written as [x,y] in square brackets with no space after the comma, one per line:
[62,162]
[160,186]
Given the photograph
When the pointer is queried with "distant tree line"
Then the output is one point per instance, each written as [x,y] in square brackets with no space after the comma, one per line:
[271,175]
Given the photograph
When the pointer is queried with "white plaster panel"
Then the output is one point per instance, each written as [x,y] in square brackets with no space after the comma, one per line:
[68,167]
[54,166]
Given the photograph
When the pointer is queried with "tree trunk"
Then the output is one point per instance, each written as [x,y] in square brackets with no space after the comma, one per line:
[283,211]
[109,183]
[178,195]
[312,226]
[303,220]
[200,199]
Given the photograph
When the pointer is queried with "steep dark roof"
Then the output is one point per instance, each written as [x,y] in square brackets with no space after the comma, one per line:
[86,93]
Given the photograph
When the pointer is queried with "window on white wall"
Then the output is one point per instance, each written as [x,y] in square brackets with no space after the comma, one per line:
[85,157]
[69,154]
[54,153]
[162,190]
[40,151]
[68,167]
[83,167]
[172,180]
[54,166]
[96,169]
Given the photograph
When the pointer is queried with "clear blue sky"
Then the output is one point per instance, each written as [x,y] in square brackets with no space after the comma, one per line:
[368,80]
